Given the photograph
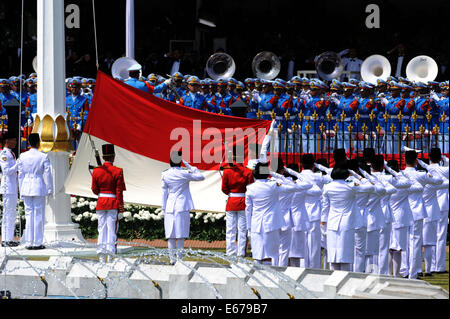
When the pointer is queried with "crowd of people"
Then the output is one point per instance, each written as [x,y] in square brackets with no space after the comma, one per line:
[362,215]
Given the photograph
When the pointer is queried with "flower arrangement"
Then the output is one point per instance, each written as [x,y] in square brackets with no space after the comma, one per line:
[142,222]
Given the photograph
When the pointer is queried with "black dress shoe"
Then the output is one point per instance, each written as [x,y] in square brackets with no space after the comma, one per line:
[29,247]
[442,272]
[13,244]
[39,247]
[420,274]
[428,274]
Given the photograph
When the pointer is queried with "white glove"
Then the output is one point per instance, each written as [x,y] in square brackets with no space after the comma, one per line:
[406,148]
[421,163]
[167,82]
[390,170]
[354,174]
[29,122]
[323,168]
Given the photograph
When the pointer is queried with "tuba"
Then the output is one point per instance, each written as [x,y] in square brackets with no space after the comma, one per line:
[422,68]
[34,63]
[266,65]
[220,66]
[329,65]
[375,67]
[119,69]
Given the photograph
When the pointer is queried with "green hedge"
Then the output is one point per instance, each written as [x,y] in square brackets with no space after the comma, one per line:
[141,222]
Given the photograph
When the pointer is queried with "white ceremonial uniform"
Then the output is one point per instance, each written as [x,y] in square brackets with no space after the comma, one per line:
[416,203]
[359,264]
[9,190]
[339,211]
[438,258]
[285,231]
[392,185]
[264,218]
[177,199]
[313,207]
[430,223]
[35,183]
[300,219]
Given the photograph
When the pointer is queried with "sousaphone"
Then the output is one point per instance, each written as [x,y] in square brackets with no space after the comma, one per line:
[119,69]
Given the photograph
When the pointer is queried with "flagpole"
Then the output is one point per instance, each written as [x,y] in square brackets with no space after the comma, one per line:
[51,109]
[129,36]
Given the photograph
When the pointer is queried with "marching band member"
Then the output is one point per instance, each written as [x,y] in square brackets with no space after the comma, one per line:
[192,98]
[177,202]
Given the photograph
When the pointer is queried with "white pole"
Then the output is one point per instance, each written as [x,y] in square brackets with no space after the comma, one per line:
[51,100]
[129,40]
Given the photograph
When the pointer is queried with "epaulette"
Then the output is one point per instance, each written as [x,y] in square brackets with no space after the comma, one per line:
[278,184]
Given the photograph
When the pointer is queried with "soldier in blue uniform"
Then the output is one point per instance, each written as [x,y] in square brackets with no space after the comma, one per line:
[267,100]
[27,112]
[382,88]
[5,91]
[134,73]
[77,107]
[5,97]
[177,85]
[444,110]
[193,98]
[232,83]
[221,101]
[395,105]
[18,91]
[318,105]
[367,104]
[347,105]
[407,111]
[423,105]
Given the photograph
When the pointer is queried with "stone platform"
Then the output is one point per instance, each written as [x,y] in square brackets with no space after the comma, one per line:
[73,277]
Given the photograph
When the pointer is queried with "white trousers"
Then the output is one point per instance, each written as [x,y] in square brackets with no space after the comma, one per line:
[9,216]
[372,250]
[108,225]
[34,219]
[360,249]
[313,245]
[383,256]
[439,251]
[236,224]
[175,245]
[415,248]
[285,244]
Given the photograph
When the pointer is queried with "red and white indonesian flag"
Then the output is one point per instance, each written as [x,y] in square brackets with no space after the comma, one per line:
[144,130]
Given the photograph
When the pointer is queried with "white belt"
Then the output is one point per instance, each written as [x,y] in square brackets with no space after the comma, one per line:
[236,194]
[106,195]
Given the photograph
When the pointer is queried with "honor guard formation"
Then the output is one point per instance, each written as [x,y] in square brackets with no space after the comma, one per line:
[366,189]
